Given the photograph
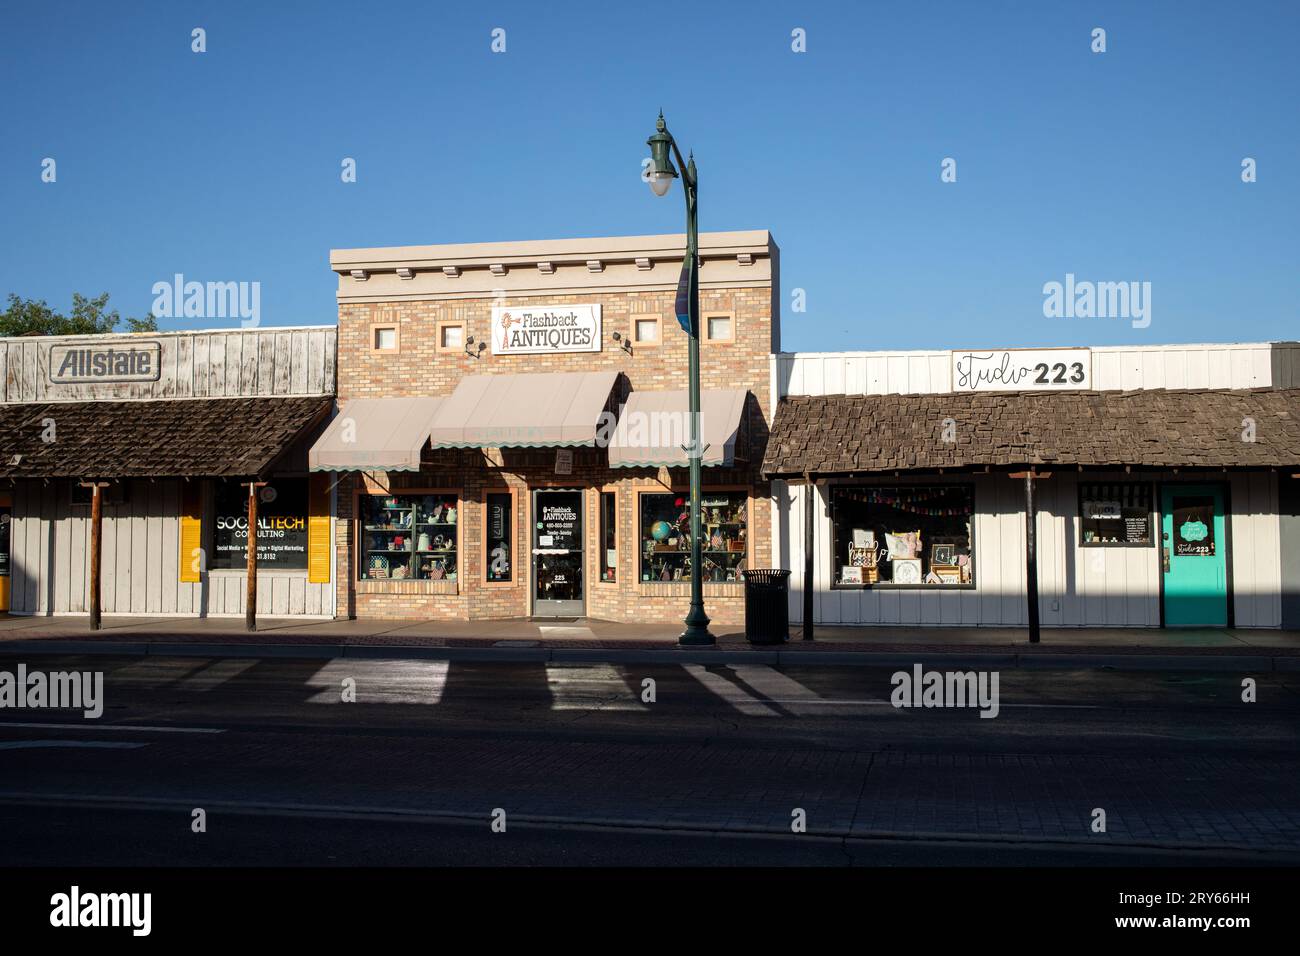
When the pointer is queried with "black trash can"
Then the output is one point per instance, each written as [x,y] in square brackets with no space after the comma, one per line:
[767,608]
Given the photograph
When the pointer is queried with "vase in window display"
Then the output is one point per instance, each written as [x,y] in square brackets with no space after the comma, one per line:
[451,516]
[422,543]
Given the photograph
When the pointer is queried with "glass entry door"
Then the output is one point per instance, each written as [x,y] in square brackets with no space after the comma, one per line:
[557,554]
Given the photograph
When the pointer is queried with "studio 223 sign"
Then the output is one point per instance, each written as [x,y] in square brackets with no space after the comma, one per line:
[1021,370]
[545,330]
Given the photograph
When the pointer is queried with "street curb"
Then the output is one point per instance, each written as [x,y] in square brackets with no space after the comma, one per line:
[640,824]
[668,655]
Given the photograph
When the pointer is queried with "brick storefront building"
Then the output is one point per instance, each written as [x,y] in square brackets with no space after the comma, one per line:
[498,444]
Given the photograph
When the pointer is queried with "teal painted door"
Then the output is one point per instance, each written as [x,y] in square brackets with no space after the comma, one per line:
[1194,555]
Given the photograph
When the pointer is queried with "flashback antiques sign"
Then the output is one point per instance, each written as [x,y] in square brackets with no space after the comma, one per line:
[1021,370]
[121,362]
[546,330]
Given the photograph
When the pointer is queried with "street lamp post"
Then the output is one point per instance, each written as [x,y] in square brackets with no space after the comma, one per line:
[661,180]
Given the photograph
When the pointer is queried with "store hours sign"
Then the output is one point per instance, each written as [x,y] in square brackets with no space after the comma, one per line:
[1021,370]
[545,330]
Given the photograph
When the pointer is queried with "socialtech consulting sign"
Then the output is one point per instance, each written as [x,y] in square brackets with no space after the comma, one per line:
[546,330]
[90,362]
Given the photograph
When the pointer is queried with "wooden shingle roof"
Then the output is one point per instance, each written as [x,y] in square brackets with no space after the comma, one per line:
[213,437]
[830,434]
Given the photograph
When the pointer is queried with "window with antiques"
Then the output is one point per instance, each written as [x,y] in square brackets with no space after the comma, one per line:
[281,526]
[1115,514]
[608,537]
[409,537]
[909,535]
[498,524]
[665,536]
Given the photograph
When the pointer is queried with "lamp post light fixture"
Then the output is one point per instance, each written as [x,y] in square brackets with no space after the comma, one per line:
[662,150]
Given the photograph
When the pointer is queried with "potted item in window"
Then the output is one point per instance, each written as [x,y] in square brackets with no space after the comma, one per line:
[907,570]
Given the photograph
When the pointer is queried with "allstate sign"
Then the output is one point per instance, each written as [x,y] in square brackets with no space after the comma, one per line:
[91,362]
[545,330]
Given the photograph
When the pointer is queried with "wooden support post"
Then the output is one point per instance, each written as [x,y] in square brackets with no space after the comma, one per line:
[809,512]
[96,548]
[250,609]
[1031,558]
[1031,548]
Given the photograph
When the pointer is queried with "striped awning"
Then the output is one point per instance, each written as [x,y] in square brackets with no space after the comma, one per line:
[528,410]
[654,429]
[375,434]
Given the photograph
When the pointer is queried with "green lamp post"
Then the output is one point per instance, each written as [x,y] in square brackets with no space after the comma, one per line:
[688,314]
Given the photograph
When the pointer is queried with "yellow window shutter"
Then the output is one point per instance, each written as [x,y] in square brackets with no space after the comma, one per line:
[191,562]
[320,555]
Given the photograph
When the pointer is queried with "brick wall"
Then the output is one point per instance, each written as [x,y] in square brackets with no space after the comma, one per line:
[420,368]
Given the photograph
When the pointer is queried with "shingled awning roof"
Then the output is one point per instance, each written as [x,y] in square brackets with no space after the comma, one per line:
[835,434]
[213,437]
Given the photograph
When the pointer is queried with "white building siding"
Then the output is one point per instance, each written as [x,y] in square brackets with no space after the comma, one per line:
[1078,587]
[1254,365]
[50,560]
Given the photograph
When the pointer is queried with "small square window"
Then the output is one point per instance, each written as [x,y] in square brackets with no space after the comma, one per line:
[647,330]
[451,337]
[385,338]
[719,328]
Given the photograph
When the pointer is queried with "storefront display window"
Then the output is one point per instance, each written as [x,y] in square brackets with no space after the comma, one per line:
[499,524]
[1115,515]
[409,537]
[911,535]
[608,537]
[666,536]
[281,526]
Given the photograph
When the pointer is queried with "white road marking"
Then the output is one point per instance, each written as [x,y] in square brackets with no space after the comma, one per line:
[129,728]
[87,744]
[590,687]
[387,682]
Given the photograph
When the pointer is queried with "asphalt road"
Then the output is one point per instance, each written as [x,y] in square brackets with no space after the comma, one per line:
[584,770]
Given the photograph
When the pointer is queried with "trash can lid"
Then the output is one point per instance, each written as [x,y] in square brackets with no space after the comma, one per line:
[764,575]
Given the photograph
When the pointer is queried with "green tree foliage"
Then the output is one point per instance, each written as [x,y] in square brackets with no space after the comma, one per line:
[88,317]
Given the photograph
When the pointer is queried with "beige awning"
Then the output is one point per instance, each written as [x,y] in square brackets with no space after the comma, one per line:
[528,410]
[653,427]
[375,434]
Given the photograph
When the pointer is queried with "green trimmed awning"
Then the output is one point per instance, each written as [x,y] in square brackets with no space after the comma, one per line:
[654,428]
[528,410]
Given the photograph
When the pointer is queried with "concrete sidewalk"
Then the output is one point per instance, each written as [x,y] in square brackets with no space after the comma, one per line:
[593,640]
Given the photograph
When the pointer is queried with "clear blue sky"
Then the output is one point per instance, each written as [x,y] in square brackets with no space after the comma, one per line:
[1117,166]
